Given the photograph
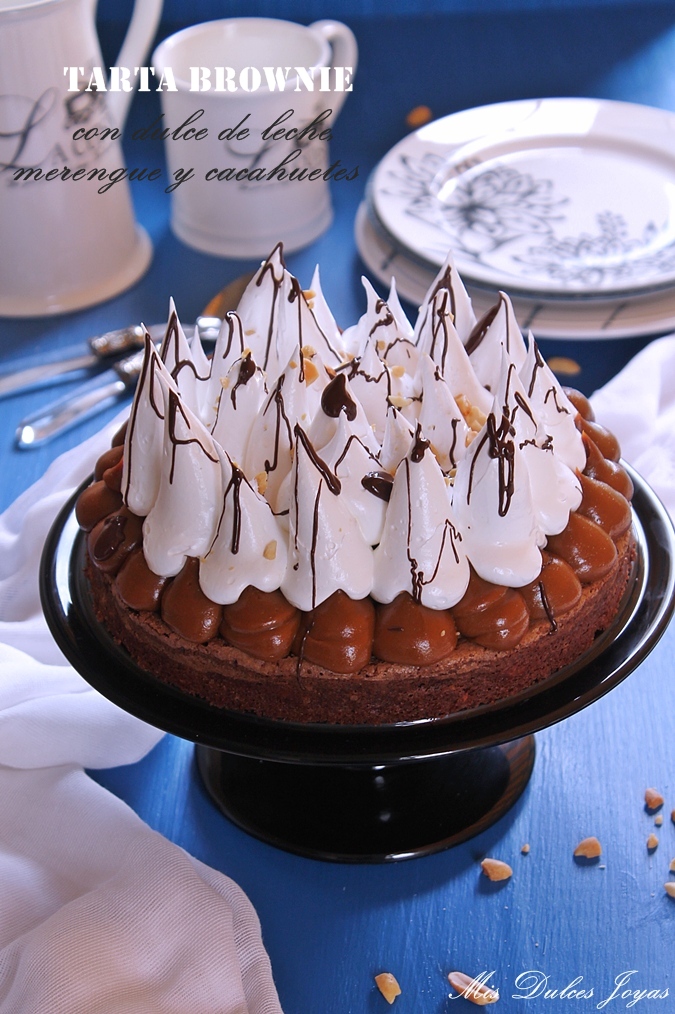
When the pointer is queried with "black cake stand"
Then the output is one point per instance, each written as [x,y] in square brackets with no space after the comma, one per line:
[365,793]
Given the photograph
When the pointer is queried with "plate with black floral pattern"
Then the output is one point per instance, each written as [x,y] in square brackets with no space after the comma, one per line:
[556,198]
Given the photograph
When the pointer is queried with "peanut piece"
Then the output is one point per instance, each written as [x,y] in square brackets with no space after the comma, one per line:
[472,990]
[669,888]
[388,986]
[653,799]
[270,550]
[589,848]
[495,869]
[652,842]
[525,849]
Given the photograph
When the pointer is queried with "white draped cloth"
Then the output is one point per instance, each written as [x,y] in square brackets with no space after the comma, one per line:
[98,913]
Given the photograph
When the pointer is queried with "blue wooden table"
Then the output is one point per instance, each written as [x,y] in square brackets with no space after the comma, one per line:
[330,928]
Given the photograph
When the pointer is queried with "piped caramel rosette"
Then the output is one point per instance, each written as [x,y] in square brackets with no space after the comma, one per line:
[421,507]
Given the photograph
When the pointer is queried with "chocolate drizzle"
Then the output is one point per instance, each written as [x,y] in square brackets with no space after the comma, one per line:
[175,406]
[417,576]
[171,344]
[439,327]
[379,484]
[419,446]
[236,479]
[547,607]
[383,321]
[278,399]
[336,399]
[481,328]
[268,266]
[331,480]
[246,371]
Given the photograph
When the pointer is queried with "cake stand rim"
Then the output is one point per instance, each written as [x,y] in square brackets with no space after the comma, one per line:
[645,614]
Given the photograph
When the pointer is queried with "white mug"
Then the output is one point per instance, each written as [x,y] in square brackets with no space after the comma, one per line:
[64,245]
[226,204]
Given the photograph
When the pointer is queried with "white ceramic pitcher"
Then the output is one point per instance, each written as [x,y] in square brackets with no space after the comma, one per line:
[64,245]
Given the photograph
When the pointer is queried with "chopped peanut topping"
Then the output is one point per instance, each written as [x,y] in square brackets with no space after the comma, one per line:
[472,989]
[250,331]
[652,842]
[397,371]
[495,869]
[224,383]
[653,799]
[311,372]
[388,986]
[658,820]
[525,849]
[672,866]
[589,848]
[669,888]
[308,351]
[270,550]
[398,401]
[261,482]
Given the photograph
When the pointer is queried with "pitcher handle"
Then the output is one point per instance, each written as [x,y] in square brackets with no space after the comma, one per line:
[136,45]
[345,52]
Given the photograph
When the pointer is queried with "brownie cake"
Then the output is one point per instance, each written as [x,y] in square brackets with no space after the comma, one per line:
[374,525]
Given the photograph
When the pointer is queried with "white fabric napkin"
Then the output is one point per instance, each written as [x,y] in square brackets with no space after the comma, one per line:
[638,405]
[98,913]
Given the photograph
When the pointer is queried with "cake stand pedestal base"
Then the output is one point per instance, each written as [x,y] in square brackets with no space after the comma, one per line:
[368,812]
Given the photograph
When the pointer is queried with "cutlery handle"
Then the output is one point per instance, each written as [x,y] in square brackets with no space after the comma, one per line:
[61,415]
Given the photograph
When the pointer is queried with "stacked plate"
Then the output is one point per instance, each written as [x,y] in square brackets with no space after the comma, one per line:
[566,204]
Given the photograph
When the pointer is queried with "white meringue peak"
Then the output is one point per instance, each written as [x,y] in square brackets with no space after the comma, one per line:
[555,488]
[459,304]
[394,304]
[324,316]
[377,324]
[352,463]
[553,408]
[421,549]
[270,444]
[327,551]
[176,355]
[260,310]
[370,382]
[398,436]
[493,504]
[440,418]
[497,327]
[228,349]
[242,394]
[144,439]
[248,548]
[439,339]
[182,520]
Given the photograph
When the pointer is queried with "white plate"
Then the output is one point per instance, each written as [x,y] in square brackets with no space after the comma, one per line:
[550,197]
[625,318]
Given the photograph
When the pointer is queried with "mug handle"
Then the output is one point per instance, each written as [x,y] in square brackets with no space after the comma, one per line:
[140,33]
[345,52]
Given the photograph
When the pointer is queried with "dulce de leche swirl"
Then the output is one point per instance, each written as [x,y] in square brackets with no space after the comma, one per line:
[409,633]
[263,624]
[338,634]
[187,610]
[492,616]
[138,587]
[555,591]
[112,539]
